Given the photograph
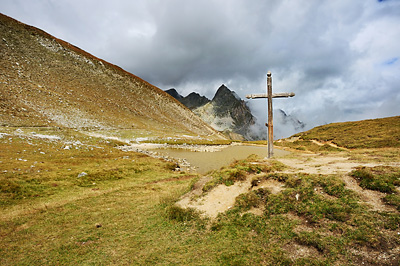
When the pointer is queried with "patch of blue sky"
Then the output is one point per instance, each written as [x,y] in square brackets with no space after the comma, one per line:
[391,61]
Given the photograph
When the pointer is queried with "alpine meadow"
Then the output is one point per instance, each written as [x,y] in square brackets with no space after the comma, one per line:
[83,180]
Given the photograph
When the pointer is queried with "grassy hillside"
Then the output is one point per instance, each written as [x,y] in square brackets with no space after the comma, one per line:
[67,198]
[45,81]
[374,133]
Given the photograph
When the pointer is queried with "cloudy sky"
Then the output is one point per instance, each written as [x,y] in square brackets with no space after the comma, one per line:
[341,58]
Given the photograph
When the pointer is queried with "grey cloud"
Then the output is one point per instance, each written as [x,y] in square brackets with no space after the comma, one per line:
[332,54]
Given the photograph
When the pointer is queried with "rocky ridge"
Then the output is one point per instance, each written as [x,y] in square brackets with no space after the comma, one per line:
[226,112]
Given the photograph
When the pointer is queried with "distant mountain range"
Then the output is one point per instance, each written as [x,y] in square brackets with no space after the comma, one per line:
[45,81]
[229,114]
[226,112]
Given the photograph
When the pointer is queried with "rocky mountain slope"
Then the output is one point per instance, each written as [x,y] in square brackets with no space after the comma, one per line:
[194,100]
[286,124]
[45,81]
[226,112]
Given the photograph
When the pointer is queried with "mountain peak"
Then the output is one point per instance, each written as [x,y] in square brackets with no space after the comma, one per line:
[174,94]
[225,100]
[222,94]
[191,101]
[226,112]
[194,100]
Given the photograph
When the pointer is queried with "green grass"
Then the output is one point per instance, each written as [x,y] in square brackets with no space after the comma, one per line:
[239,170]
[316,212]
[393,199]
[383,179]
[301,198]
[39,167]
[122,212]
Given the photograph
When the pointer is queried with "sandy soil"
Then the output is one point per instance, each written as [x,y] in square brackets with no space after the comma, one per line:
[222,198]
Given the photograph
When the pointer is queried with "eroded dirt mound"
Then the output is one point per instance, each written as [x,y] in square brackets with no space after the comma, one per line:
[222,197]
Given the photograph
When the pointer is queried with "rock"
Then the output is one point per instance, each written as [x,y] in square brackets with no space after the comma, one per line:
[228,113]
[191,101]
[194,100]
[174,94]
[82,174]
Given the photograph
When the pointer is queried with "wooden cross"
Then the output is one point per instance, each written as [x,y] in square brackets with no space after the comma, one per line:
[270,124]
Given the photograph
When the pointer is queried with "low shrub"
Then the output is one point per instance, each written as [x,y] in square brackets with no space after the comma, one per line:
[278,177]
[311,239]
[301,197]
[252,199]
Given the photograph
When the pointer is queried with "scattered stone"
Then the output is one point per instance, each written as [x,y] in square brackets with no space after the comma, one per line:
[82,174]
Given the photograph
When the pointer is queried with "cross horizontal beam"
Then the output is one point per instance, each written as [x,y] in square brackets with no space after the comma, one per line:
[274,95]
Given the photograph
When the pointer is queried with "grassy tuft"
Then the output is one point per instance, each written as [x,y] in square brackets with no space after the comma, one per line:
[394,200]
[383,179]
[254,198]
[239,170]
[179,214]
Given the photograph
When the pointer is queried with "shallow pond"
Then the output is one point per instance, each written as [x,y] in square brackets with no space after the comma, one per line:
[204,162]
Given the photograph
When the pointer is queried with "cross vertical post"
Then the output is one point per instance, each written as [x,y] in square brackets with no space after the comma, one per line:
[270,118]
[269,95]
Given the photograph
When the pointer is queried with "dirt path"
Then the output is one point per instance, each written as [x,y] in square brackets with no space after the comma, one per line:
[321,164]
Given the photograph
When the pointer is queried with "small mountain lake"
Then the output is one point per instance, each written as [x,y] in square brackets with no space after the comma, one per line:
[204,162]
